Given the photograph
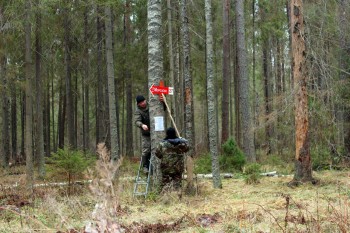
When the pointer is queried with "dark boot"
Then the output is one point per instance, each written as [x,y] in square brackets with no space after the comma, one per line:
[145,161]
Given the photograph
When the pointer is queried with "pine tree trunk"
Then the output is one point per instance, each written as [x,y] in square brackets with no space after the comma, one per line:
[28,140]
[86,82]
[5,135]
[128,80]
[189,122]
[171,60]
[243,85]
[100,123]
[111,87]
[226,72]
[61,121]
[68,77]
[39,138]
[211,95]
[14,127]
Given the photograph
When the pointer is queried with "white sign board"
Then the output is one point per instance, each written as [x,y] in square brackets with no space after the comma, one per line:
[158,123]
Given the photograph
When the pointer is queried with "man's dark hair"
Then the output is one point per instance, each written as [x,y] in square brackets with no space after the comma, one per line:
[170,133]
[139,99]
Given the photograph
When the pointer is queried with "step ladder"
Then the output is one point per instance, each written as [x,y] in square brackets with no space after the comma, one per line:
[142,182]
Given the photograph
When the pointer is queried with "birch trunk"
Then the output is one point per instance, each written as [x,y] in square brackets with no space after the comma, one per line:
[155,73]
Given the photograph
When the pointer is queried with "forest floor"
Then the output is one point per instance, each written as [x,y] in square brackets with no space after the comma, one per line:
[269,206]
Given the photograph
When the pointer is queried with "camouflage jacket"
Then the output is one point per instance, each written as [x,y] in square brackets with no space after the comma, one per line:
[172,147]
[141,116]
[170,151]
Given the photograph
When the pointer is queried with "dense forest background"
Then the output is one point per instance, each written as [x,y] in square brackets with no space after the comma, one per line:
[58,57]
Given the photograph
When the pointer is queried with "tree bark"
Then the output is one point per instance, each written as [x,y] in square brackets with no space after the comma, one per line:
[303,170]
[111,87]
[128,80]
[5,134]
[100,110]
[28,140]
[243,101]
[155,74]
[86,82]
[189,119]
[226,72]
[211,95]
[39,138]
[68,77]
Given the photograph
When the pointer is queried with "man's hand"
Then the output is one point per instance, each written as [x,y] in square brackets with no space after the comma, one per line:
[144,127]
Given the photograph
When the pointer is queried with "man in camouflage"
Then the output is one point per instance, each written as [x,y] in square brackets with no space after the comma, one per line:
[142,121]
[171,153]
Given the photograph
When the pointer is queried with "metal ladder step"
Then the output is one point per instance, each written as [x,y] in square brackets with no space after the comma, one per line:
[141,184]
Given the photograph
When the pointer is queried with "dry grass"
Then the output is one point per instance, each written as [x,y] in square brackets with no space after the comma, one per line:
[270,206]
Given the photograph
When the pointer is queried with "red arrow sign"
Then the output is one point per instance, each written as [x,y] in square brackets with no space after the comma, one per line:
[157,90]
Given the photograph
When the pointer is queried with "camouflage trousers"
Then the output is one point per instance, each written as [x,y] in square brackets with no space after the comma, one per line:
[172,167]
[146,150]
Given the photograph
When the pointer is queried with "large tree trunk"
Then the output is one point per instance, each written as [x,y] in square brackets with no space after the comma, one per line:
[28,140]
[243,101]
[189,122]
[226,72]
[111,87]
[39,138]
[303,171]
[155,74]
[211,95]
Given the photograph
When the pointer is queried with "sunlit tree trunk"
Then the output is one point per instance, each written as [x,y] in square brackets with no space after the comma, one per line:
[111,87]
[189,122]
[211,95]
[303,170]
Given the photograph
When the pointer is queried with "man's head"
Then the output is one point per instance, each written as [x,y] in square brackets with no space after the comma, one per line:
[141,101]
[171,133]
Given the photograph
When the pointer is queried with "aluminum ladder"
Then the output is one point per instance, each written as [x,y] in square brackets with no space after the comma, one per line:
[141,185]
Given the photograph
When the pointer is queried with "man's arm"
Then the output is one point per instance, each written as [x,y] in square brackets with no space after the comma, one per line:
[138,119]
